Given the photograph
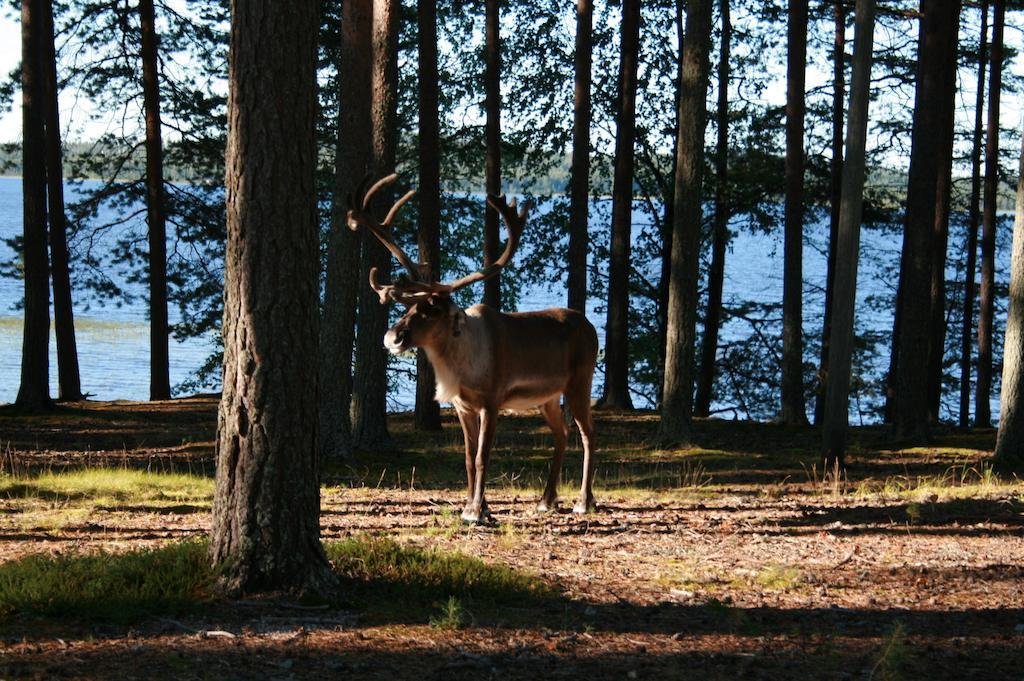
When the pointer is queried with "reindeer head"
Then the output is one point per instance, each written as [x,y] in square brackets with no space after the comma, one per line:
[429,322]
[432,316]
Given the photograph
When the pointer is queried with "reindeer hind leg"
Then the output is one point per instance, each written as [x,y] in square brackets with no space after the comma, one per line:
[552,414]
[578,398]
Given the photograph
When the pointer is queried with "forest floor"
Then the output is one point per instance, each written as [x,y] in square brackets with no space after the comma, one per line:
[737,559]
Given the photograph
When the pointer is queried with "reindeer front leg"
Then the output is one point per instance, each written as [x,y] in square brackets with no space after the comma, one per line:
[476,507]
[470,422]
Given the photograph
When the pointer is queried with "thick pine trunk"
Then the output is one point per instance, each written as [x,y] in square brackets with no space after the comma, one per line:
[847,244]
[266,509]
[973,218]
[936,67]
[579,182]
[793,410]
[492,156]
[369,400]
[616,353]
[428,411]
[69,380]
[835,195]
[677,392]
[159,334]
[34,391]
[986,310]
[1010,440]
[720,237]
[352,162]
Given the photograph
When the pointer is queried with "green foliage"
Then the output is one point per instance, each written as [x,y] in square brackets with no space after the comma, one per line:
[452,615]
[379,572]
[108,485]
[379,568]
[894,657]
[107,586]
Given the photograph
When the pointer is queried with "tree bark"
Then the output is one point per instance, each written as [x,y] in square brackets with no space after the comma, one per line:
[986,310]
[34,390]
[720,237]
[159,334]
[940,233]
[369,400]
[266,508]
[677,394]
[847,244]
[69,379]
[492,157]
[835,194]
[1010,439]
[616,353]
[973,218]
[352,162]
[428,411]
[936,67]
[579,181]
[793,411]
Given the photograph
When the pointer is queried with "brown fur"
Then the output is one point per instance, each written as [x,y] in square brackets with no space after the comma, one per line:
[487,360]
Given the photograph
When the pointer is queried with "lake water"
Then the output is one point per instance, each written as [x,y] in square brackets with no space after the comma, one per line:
[113,340]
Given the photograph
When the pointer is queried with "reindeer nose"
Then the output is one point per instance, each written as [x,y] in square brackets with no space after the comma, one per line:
[393,340]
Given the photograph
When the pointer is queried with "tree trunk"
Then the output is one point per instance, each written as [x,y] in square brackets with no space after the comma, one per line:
[69,380]
[936,67]
[940,235]
[159,334]
[492,157]
[793,411]
[720,237]
[266,508]
[579,182]
[973,213]
[677,392]
[668,217]
[352,162]
[428,411]
[369,400]
[982,408]
[1010,440]
[616,353]
[835,195]
[669,200]
[34,391]
[847,244]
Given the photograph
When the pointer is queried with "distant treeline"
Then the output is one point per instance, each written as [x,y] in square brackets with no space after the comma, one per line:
[554,181]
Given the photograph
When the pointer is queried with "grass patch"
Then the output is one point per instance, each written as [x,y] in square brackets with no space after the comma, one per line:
[779,578]
[381,575]
[380,569]
[109,486]
[107,586]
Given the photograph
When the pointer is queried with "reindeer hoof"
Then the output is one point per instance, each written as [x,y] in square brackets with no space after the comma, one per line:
[475,515]
[545,506]
[584,506]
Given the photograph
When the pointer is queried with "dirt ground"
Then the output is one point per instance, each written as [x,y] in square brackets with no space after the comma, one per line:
[732,560]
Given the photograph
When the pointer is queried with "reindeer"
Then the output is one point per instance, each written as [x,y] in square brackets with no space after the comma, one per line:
[486,360]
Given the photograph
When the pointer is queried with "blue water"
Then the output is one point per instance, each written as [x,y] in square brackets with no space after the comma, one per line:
[113,339]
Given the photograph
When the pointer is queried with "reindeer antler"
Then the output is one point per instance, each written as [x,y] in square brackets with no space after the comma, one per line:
[359,215]
[515,221]
[409,289]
